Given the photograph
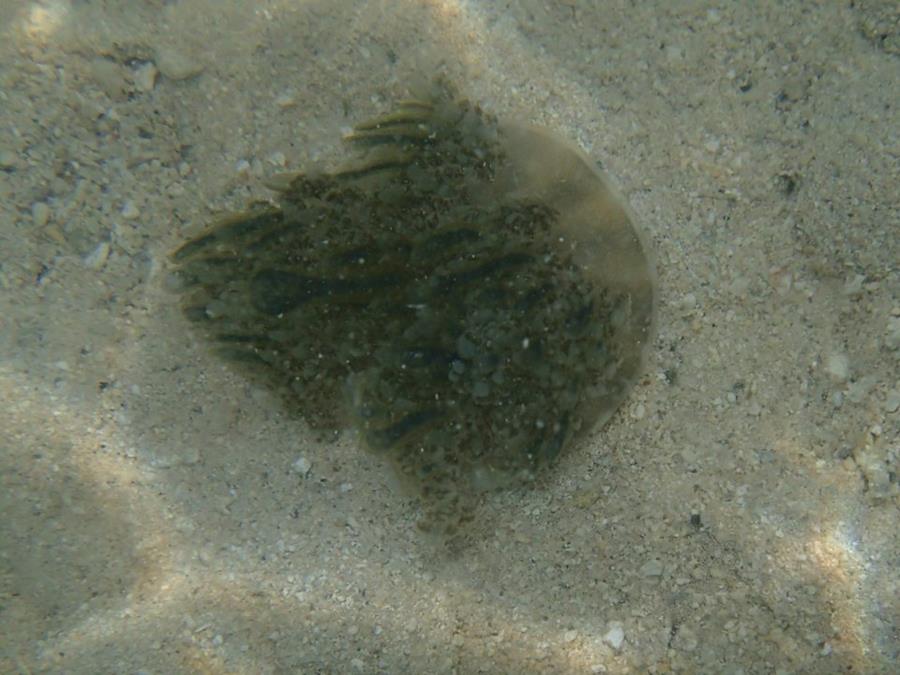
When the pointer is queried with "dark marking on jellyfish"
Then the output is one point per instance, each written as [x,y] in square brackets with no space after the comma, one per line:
[277,292]
[450,282]
[439,243]
[578,321]
[383,439]
[426,357]
[236,227]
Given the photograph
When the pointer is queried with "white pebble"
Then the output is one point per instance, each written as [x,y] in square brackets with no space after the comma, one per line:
[176,65]
[838,367]
[837,399]
[145,76]
[652,568]
[97,258]
[892,401]
[615,636]
[7,159]
[130,211]
[858,390]
[286,100]
[570,635]
[40,214]
[301,466]
[892,340]
[277,159]
[854,285]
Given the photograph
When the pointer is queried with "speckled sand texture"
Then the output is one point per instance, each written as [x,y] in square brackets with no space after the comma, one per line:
[739,514]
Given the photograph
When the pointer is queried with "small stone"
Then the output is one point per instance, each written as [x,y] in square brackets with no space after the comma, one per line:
[639,411]
[242,167]
[858,390]
[892,401]
[130,211]
[838,367]
[145,76]
[7,160]
[837,399]
[875,470]
[277,159]
[218,640]
[301,466]
[286,101]
[176,65]
[854,285]
[97,258]
[40,214]
[570,635]
[892,339]
[685,640]
[652,568]
[615,636]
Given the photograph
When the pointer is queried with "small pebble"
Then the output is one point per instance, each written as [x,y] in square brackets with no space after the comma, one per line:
[301,466]
[838,367]
[652,568]
[892,401]
[40,214]
[97,258]
[615,636]
[837,399]
[130,211]
[176,65]
[570,635]
[892,339]
[145,76]
[286,101]
[854,285]
[858,390]
[277,159]
[7,160]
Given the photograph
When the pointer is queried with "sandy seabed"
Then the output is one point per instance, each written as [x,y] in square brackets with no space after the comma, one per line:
[737,515]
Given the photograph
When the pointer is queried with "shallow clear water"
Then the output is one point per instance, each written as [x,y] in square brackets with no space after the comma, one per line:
[737,513]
